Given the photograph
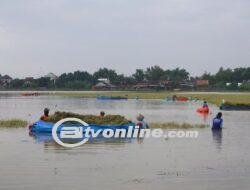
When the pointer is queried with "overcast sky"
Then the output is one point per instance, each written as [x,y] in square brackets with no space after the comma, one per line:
[41,36]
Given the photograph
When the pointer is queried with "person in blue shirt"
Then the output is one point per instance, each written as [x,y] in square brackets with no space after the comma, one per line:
[217,122]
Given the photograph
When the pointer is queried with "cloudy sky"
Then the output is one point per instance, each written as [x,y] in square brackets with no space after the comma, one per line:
[39,36]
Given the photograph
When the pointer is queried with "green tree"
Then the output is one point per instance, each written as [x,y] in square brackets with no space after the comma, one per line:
[178,75]
[43,82]
[107,73]
[209,77]
[224,75]
[154,74]
[16,84]
[77,79]
[139,75]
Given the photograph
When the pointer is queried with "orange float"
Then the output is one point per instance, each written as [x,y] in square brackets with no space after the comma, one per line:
[203,110]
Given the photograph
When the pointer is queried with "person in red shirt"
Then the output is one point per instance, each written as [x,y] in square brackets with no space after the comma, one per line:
[45,115]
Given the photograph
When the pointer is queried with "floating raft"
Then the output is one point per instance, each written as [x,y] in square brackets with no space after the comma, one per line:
[111,98]
[46,127]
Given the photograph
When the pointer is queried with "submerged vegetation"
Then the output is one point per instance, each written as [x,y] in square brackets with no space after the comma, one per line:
[13,123]
[90,119]
[174,125]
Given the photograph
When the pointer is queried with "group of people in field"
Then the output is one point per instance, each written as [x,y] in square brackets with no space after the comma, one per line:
[217,122]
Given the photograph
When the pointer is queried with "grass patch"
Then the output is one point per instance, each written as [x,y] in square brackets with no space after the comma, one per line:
[236,104]
[90,119]
[211,97]
[130,94]
[216,98]
[174,125]
[13,123]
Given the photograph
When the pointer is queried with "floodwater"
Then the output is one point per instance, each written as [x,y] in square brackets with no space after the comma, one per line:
[220,160]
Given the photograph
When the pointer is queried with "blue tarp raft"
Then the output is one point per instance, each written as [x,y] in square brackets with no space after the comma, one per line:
[46,127]
[111,98]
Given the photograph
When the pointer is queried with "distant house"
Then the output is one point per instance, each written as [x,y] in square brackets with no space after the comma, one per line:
[186,85]
[105,80]
[148,86]
[5,80]
[167,84]
[141,86]
[51,76]
[103,84]
[201,82]
[28,80]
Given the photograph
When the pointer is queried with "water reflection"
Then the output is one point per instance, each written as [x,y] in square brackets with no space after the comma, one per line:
[204,116]
[217,137]
[140,140]
[47,139]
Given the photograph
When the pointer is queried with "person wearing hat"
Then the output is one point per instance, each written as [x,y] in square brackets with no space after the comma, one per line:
[45,115]
[141,123]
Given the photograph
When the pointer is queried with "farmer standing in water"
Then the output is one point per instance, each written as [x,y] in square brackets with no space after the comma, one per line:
[217,122]
[141,123]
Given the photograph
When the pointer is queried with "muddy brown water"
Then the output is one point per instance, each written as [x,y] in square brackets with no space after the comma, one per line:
[220,161]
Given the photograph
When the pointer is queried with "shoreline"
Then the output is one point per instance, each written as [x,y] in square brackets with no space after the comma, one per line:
[212,97]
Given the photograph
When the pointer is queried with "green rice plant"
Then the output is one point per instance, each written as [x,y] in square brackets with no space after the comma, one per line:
[90,119]
[216,98]
[13,123]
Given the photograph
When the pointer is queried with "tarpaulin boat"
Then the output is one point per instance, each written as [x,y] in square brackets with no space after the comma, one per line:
[46,127]
[111,98]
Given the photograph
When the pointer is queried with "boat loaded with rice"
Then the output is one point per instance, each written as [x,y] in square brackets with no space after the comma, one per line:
[46,127]
[111,122]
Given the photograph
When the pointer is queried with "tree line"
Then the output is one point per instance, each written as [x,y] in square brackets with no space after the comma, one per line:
[83,80]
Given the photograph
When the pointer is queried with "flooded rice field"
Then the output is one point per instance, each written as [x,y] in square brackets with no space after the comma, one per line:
[213,160]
